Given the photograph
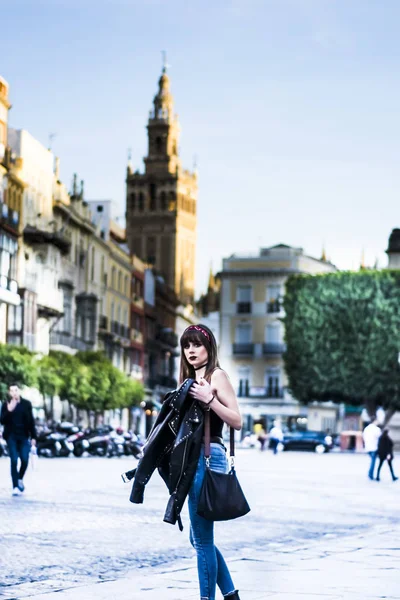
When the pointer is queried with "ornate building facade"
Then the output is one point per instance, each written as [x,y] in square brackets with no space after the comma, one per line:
[252,333]
[161,207]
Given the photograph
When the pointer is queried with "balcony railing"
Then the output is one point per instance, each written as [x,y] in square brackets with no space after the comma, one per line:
[120,329]
[244,349]
[8,216]
[246,391]
[274,306]
[167,336]
[8,284]
[63,338]
[274,348]
[163,381]
[243,307]
[103,322]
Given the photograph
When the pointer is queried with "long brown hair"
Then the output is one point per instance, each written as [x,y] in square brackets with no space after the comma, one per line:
[199,334]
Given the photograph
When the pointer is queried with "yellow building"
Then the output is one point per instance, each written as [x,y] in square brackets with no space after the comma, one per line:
[252,332]
[11,194]
[161,207]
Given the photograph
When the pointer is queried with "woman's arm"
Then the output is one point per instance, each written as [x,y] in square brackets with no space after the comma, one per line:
[225,403]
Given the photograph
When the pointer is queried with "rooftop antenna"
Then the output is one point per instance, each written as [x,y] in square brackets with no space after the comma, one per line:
[51,138]
[164,61]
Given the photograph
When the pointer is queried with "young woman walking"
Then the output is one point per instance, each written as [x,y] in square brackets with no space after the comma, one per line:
[213,390]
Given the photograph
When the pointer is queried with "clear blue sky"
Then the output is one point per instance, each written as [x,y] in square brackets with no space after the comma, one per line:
[292,107]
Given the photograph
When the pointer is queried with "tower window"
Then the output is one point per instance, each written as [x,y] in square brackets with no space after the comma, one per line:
[158,145]
[172,201]
[133,201]
[153,201]
[141,202]
[163,201]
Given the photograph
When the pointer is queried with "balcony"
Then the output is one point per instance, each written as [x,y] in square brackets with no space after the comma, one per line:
[120,329]
[103,323]
[243,349]
[136,336]
[137,301]
[33,235]
[163,381]
[243,308]
[274,306]
[9,217]
[274,348]
[9,291]
[263,392]
[167,336]
[64,338]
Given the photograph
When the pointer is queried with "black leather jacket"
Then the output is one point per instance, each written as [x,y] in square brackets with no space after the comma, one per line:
[173,446]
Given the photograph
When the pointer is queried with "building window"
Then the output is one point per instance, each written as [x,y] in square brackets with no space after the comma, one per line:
[243,333]
[273,382]
[126,286]
[273,298]
[15,318]
[133,201]
[66,319]
[92,266]
[244,375]
[119,281]
[172,201]
[141,202]
[273,334]
[243,299]
[158,145]
[163,201]
[86,316]
[113,272]
[103,273]
[151,250]
[153,194]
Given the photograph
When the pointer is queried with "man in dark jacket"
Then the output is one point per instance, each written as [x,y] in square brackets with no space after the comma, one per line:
[19,433]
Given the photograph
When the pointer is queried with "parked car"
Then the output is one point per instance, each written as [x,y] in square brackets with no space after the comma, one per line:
[317,441]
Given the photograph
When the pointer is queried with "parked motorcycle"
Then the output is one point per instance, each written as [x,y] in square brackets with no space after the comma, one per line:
[53,443]
[133,445]
[94,441]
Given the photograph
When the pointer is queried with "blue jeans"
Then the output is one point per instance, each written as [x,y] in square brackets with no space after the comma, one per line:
[373,456]
[211,566]
[18,448]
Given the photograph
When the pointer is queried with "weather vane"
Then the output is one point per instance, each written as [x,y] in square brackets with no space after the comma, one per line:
[165,64]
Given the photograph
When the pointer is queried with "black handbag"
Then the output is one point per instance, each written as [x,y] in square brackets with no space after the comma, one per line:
[221,497]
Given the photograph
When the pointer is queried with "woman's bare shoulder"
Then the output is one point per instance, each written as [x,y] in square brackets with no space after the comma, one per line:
[219,375]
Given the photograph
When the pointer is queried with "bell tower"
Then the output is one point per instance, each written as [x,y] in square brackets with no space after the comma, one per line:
[161,204]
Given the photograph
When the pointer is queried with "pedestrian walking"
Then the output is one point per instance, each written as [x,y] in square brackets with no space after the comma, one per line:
[275,437]
[371,435]
[262,438]
[385,452]
[199,360]
[19,433]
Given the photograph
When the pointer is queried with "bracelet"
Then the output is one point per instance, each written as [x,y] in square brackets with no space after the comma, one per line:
[208,403]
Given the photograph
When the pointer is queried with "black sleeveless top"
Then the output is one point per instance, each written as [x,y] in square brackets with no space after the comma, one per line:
[216,423]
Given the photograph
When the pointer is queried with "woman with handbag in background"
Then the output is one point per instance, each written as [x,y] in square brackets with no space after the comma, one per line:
[215,394]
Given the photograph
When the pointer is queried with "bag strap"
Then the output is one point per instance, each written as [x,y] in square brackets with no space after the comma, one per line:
[207,444]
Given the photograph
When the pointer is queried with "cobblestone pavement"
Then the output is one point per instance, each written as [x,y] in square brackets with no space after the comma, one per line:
[75,526]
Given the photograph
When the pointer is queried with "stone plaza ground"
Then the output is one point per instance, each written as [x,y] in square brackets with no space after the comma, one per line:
[318,529]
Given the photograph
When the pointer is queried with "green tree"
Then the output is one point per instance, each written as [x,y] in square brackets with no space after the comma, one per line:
[343,338]
[17,365]
[50,382]
[109,388]
[75,385]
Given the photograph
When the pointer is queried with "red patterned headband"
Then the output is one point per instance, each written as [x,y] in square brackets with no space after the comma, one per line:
[197,328]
